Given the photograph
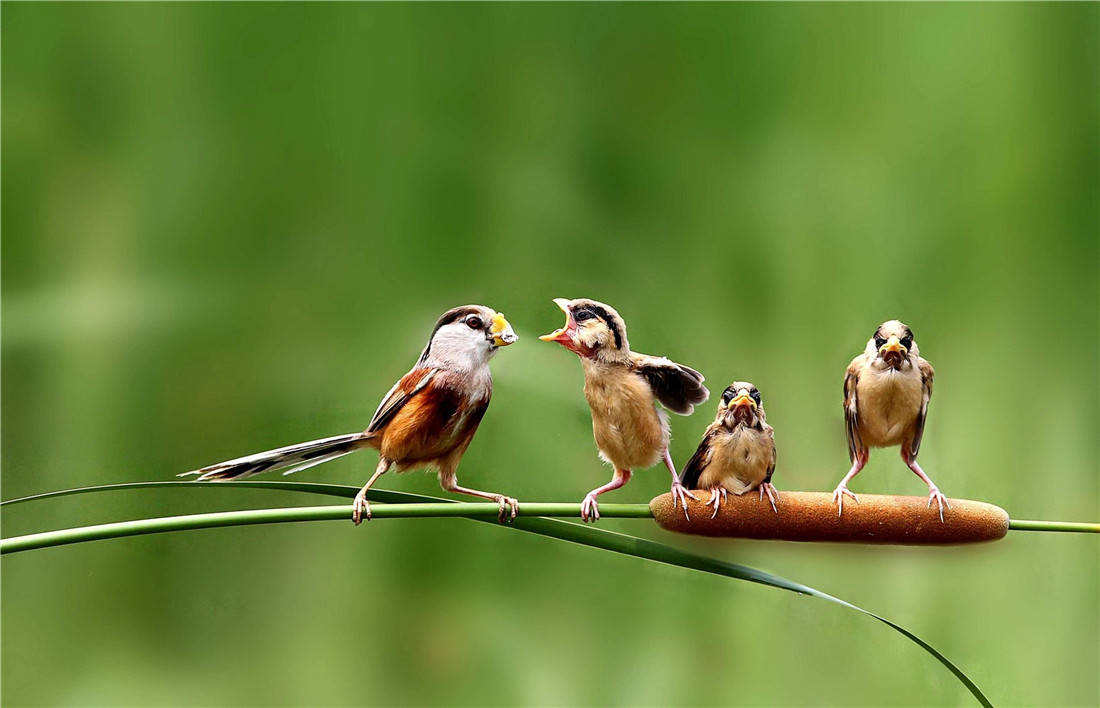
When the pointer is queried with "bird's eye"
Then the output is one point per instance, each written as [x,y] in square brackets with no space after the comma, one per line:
[727,396]
[907,341]
[880,342]
[582,315]
[473,322]
[755,396]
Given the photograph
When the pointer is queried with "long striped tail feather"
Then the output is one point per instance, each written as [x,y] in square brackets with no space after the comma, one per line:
[292,458]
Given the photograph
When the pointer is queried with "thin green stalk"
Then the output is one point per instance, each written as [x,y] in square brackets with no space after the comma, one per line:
[1065,526]
[302,513]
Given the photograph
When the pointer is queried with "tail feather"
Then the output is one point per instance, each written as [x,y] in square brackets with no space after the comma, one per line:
[296,457]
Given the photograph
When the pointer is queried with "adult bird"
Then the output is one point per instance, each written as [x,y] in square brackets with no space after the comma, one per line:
[886,394]
[737,452]
[427,419]
[622,389]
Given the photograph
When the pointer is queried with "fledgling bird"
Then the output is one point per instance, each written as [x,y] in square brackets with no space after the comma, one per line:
[427,419]
[886,393]
[737,453]
[622,389]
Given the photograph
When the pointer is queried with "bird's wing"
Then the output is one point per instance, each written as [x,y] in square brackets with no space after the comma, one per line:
[409,385]
[851,411]
[678,388]
[689,477]
[926,375]
[771,465]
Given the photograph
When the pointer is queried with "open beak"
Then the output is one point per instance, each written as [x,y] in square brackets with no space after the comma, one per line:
[563,336]
[741,401]
[501,331]
[893,352]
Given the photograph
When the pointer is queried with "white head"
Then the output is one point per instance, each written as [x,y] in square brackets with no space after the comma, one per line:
[893,345]
[466,337]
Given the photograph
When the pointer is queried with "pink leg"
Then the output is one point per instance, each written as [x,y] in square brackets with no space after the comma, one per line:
[773,495]
[590,510]
[360,507]
[934,494]
[717,496]
[509,506]
[842,488]
[679,494]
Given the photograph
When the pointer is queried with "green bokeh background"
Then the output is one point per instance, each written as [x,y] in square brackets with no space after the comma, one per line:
[230,228]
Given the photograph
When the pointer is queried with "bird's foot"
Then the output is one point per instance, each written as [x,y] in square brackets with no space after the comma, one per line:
[935,495]
[773,495]
[360,508]
[590,510]
[509,508]
[838,497]
[680,498]
[717,496]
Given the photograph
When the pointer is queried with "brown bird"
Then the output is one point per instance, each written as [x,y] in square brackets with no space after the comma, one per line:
[886,393]
[737,453]
[622,389]
[427,419]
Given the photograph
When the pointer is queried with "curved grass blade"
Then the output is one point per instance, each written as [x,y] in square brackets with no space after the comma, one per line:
[573,533]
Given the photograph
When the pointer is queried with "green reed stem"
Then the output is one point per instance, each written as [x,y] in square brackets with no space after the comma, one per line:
[308,513]
[1065,526]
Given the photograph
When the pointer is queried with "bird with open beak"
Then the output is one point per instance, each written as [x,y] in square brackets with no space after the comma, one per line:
[427,419]
[622,389]
[886,394]
[737,453]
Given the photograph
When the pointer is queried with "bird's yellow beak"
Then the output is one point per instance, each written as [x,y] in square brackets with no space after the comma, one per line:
[740,401]
[501,331]
[893,345]
[562,334]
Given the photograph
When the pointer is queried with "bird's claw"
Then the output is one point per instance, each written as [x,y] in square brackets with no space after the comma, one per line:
[590,510]
[838,498]
[509,509]
[934,494]
[773,495]
[679,498]
[360,508]
[717,496]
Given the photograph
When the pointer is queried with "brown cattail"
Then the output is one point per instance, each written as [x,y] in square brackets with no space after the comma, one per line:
[812,516]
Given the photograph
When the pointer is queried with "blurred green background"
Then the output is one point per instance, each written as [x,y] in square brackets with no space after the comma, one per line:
[230,228]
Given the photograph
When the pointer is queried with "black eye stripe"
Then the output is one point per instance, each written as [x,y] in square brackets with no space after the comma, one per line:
[587,312]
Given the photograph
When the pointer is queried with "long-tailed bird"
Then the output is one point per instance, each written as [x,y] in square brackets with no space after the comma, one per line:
[427,419]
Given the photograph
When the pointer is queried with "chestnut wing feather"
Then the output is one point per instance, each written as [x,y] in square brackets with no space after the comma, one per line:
[409,385]
[926,375]
[679,388]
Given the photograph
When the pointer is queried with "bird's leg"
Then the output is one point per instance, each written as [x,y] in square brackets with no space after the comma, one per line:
[679,494]
[361,507]
[590,510]
[842,488]
[509,506]
[934,493]
[717,496]
[773,496]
